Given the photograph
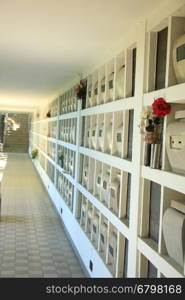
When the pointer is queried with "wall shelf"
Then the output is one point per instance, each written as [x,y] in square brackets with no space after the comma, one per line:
[113,161]
[122,227]
[168,179]
[71,115]
[123,104]
[67,145]
[66,174]
[173,94]
[144,246]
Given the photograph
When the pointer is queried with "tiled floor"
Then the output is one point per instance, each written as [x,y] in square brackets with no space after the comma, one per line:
[32,239]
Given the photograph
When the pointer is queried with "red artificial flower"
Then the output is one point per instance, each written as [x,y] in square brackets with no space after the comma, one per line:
[161,108]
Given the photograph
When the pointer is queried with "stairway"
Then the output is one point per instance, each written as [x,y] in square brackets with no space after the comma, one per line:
[18,141]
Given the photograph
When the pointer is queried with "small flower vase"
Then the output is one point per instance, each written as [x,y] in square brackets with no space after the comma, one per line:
[155,156]
[34,155]
[48,115]
[151,137]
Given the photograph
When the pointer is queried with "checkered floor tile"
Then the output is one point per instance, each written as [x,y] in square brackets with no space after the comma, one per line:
[32,240]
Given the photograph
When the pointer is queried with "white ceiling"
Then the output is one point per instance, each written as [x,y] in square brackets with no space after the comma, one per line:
[45,43]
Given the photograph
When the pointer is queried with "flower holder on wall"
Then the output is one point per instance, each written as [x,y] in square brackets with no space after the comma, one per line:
[34,153]
[151,127]
[81,92]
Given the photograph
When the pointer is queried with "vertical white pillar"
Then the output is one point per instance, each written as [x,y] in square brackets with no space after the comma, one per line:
[135,183]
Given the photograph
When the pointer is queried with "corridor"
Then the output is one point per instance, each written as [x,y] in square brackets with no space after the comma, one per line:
[32,240]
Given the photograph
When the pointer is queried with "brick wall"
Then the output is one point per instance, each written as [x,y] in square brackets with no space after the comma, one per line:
[18,141]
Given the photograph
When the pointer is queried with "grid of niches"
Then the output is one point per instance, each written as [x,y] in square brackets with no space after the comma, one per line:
[158,186]
[67,130]
[65,188]
[117,133]
[110,133]
[68,101]
[113,81]
[111,245]
[110,186]
[163,193]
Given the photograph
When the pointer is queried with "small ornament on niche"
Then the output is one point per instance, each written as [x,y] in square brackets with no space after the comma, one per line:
[81,92]
[151,127]
[34,153]
[48,115]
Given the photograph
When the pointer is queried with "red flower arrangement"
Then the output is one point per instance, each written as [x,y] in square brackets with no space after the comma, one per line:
[152,120]
[161,108]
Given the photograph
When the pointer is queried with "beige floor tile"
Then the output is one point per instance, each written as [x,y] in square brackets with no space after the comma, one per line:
[32,239]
